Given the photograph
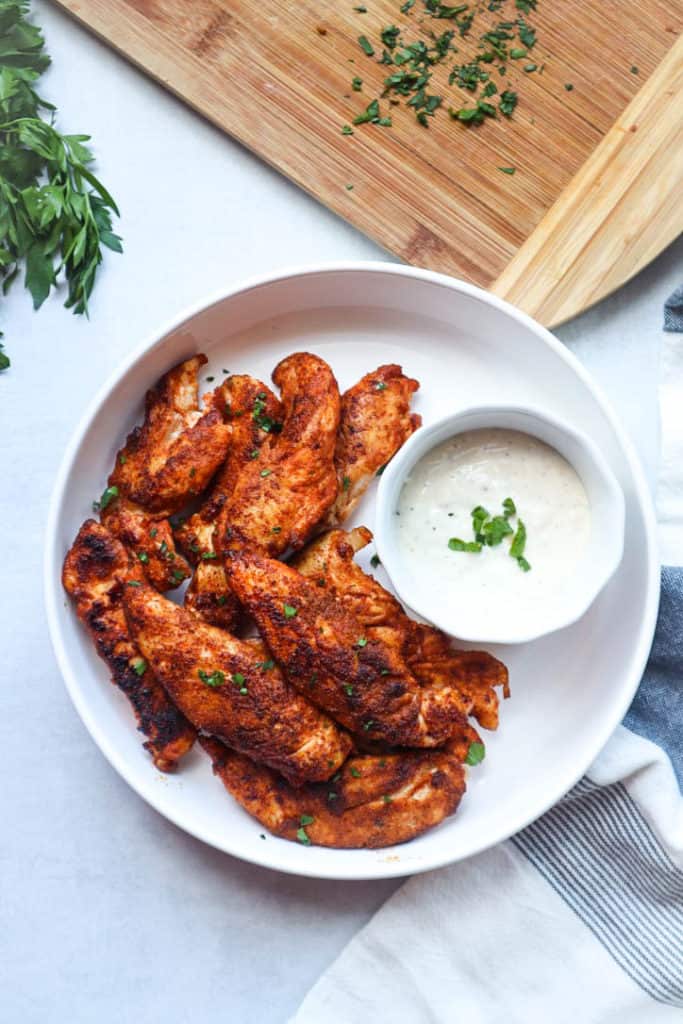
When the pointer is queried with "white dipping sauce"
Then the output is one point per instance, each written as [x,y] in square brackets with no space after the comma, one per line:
[484,467]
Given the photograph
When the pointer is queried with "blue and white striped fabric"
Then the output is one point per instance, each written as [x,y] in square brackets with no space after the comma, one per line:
[578,919]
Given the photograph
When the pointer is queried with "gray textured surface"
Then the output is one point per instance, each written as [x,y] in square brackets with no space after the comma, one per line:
[109,913]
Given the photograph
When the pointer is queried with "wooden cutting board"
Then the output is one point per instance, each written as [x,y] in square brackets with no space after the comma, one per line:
[598,185]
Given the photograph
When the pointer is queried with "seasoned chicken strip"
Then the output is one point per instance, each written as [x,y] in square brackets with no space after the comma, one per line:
[372,802]
[97,571]
[149,538]
[430,654]
[253,414]
[375,422]
[279,498]
[232,689]
[178,448]
[361,681]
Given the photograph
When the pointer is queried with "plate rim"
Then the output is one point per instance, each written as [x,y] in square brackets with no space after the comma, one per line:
[52,592]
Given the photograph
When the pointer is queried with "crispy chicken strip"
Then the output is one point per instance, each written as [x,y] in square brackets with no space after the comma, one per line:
[97,571]
[253,414]
[429,653]
[375,422]
[232,689]
[279,498]
[178,448]
[372,802]
[361,681]
[150,540]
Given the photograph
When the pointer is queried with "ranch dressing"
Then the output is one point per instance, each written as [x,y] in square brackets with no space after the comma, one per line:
[483,468]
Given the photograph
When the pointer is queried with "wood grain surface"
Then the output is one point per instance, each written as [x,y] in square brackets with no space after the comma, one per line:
[598,178]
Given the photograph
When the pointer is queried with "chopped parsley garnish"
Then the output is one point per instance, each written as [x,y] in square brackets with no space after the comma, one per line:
[368,725]
[266,665]
[568,86]
[289,610]
[507,170]
[354,772]
[265,472]
[140,666]
[276,529]
[349,690]
[366,46]
[356,84]
[134,583]
[144,557]
[108,495]
[178,574]
[374,561]
[208,555]
[153,532]
[490,531]
[379,384]
[634,69]
[254,454]
[508,102]
[475,754]
[346,483]
[346,129]
[213,679]
[381,469]
[386,798]
[266,423]
[302,836]
[361,642]
[306,819]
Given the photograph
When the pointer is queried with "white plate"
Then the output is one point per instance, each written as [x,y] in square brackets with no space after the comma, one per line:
[569,690]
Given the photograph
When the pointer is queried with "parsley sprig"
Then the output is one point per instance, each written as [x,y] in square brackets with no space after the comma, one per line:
[490,531]
[55,215]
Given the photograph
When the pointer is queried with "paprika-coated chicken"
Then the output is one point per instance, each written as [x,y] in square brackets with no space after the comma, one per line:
[279,498]
[375,421]
[233,689]
[165,463]
[373,801]
[253,413]
[97,572]
[430,655]
[171,458]
[326,653]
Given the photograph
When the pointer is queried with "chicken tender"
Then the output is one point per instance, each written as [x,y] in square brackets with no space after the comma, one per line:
[149,538]
[437,665]
[173,455]
[232,689]
[374,801]
[97,571]
[279,498]
[375,422]
[253,413]
[361,681]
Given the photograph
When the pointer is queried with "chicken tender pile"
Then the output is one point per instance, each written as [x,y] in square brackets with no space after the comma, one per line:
[330,715]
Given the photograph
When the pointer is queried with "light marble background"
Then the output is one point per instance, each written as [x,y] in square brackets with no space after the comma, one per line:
[108,913]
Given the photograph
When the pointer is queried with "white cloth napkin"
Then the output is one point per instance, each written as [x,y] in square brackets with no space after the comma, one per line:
[578,919]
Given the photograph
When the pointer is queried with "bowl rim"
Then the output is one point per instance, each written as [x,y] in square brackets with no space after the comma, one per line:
[401,464]
[152,340]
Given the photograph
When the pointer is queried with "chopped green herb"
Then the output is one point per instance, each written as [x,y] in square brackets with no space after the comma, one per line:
[475,754]
[349,690]
[523,564]
[193,471]
[209,555]
[306,819]
[366,46]
[134,583]
[508,102]
[302,836]
[108,495]
[507,170]
[265,472]
[354,771]
[213,679]
[384,672]
[389,36]
[221,600]
[518,541]
[276,529]
[381,469]
[368,725]
[144,557]
[375,561]
[361,642]
[289,610]
[361,10]
[254,454]
[346,483]
[140,666]
[386,798]
[407,6]
[178,574]
[634,69]
[568,86]
[331,796]
[379,384]
[210,379]
[346,129]
[471,546]
[530,67]
[382,763]
[526,6]
[153,532]
[509,508]
[517,54]
[356,84]
[238,679]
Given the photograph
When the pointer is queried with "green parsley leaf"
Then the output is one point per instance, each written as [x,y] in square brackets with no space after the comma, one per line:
[265,472]
[507,170]
[354,772]
[518,541]
[366,46]
[508,102]
[302,836]
[349,690]
[144,557]
[523,564]
[475,754]
[289,610]
[568,86]
[207,556]
[361,642]
[306,819]
[471,546]
[134,583]
[375,561]
[213,679]
[140,666]
[356,84]
[108,495]
[346,129]
[509,508]
[346,483]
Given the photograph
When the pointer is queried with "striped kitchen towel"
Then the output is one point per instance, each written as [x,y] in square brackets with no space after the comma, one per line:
[578,919]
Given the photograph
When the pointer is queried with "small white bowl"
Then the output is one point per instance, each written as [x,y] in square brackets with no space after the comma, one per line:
[598,563]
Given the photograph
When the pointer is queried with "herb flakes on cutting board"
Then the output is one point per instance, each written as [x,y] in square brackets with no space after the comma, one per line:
[431,35]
